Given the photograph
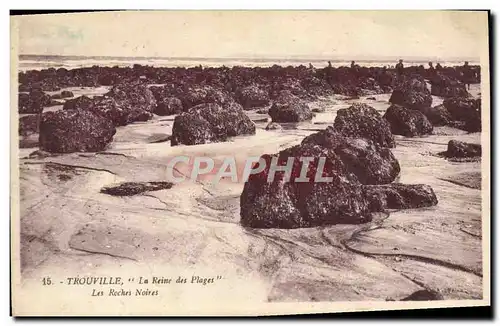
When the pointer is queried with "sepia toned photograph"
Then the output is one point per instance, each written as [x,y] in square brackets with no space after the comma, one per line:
[234,163]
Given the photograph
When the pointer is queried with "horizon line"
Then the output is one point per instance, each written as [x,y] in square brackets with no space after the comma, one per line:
[297,57]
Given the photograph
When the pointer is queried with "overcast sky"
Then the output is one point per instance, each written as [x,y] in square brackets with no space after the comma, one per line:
[338,34]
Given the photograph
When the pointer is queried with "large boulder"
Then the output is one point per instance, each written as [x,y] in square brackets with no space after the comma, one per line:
[406,122]
[370,163]
[33,102]
[445,86]
[362,120]
[287,205]
[411,93]
[399,196]
[209,123]
[195,95]
[168,106]
[437,115]
[252,97]
[467,110]
[350,162]
[132,97]
[460,149]
[69,131]
[120,112]
[289,108]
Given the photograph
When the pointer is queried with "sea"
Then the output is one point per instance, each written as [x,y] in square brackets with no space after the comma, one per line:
[39,62]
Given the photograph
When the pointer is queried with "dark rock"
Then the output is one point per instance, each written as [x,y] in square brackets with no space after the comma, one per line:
[445,86]
[399,196]
[370,163]
[33,102]
[411,93]
[406,122]
[424,295]
[135,188]
[372,98]
[466,110]
[80,103]
[262,111]
[133,96]
[287,205]
[63,94]
[29,124]
[437,115]
[66,94]
[318,110]
[273,126]
[138,115]
[460,149]
[109,108]
[252,96]
[69,131]
[54,103]
[363,121]
[289,108]
[168,106]
[121,112]
[290,203]
[210,122]
[196,95]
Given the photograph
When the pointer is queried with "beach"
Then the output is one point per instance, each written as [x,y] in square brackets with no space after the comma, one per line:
[69,226]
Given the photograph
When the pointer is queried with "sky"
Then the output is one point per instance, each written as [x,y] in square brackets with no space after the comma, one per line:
[255,34]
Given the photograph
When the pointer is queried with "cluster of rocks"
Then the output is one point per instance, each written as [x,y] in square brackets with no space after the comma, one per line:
[411,113]
[210,102]
[88,124]
[357,158]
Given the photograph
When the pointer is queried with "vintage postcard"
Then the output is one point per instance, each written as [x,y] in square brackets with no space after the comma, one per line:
[246,163]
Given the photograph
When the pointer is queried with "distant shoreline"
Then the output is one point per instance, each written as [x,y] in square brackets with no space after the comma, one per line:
[252,59]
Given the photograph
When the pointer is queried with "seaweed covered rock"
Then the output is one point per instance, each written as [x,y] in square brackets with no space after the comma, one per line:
[69,131]
[168,106]
[399,196]
[289,204]
[370,163]
[79,103]
[252,97]
[33,102]
[466,110]
[120,112]
[289,108]
[135,188]
[437,115]
[406,122]
[307,200]
[29,124]
[411,93]
[445,86]
[195,95]
[460,149]
[133,97]
[209,123]
[362,120]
